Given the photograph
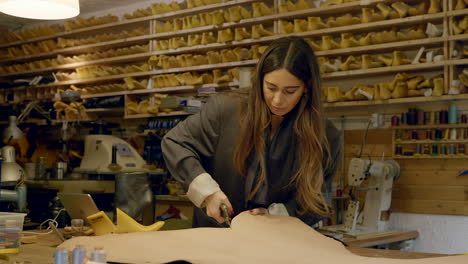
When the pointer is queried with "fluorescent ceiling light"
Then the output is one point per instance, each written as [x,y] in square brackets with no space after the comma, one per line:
[41,9]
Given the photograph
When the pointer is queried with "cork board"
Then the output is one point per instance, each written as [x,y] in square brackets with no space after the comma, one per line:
[252,239]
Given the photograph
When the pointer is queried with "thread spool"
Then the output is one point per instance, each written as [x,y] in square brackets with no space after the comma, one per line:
[398,135]
[412,116]
[398,150]
[453,114]
[437,117]
[61,256]
[426,149]
[429,134]
[414,135]
[443,149]
[99,255]
[463,118]
[443,117]
[453,134]
[403,119]
[418,150]
[435,150]
[452,149]
[438,134]
[427,117]
[420,117]
[395,121]
[432,118]
[461,149]
[79,254]
[446,134]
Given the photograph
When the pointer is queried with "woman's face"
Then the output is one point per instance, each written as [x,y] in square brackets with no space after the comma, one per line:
[282,91]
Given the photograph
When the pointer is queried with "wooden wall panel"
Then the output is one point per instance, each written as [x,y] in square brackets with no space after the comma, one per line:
[427,186]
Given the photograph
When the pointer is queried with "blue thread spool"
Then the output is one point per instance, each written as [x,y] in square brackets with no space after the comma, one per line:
[61,256]
[438,134]
[453,114]
[79,254]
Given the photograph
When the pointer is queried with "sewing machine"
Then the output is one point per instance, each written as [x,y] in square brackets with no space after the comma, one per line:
[376,212]
[12,177]
[107,154]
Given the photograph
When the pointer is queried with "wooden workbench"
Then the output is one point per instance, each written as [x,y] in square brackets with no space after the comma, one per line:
[42,252]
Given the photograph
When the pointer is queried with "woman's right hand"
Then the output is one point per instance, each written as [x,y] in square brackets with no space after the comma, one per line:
[213,204]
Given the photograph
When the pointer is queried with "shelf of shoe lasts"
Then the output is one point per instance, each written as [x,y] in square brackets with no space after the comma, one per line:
[142,56]
[406,100]
[243,22]
[400,45]
[366,27]
[430,157]
[182,12]
[443,141]
[153,72]
[139,39]
[349,7]
[117,59]
[385,70]
[412,127]
[162,114]
[162,90]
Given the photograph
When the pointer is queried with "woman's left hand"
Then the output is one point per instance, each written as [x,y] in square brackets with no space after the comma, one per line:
[259,211]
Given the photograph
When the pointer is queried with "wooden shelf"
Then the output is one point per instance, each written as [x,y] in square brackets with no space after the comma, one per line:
[431,126]
[31,57]
[458,37]
[457,12]
[244,22]
[162,114]
[400,45]
[336,9]
[407,21]
[431,157]
[444,141]
[384,70]
[406,100]
[117,59]
[173,14]
[162,90]
[154,72]
[458,62]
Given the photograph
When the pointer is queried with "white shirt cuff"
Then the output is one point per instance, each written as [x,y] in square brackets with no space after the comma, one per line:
[278,209]
[200,188]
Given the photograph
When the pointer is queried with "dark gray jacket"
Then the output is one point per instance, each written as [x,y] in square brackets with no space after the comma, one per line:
[205,142]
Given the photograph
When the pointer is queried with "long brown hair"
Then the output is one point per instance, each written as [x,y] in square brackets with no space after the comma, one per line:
[296,56]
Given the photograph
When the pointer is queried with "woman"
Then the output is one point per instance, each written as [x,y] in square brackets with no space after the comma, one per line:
[272,152]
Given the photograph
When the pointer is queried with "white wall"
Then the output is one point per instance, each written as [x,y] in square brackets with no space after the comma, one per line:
[445,234]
